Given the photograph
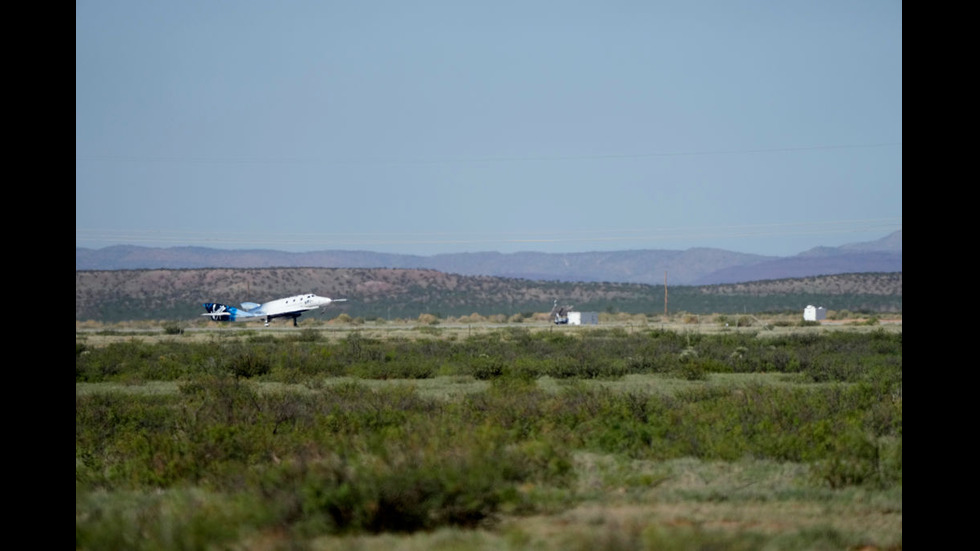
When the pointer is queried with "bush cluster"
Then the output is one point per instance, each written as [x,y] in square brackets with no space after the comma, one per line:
[600,354]
[344,457]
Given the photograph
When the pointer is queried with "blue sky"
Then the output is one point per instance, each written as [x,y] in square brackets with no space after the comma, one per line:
[765,127]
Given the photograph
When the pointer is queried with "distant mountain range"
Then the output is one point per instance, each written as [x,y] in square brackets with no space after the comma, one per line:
[696,266]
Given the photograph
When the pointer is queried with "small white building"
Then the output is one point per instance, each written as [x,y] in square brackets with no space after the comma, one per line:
[583,318]
[812,313]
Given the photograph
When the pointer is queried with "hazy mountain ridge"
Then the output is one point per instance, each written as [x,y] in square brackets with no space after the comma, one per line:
[696,266]
[805,266]
[884,284]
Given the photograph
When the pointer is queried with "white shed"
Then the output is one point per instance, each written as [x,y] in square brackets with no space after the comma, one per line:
[812,313]
[583,318]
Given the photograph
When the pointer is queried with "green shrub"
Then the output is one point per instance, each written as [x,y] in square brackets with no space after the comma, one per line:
[173,329]
[248,364]
[406,369]
[854,460]
[486,368]
[307,334]
[446,479]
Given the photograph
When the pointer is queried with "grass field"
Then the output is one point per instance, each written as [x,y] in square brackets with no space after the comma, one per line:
[601,476]
[101,333]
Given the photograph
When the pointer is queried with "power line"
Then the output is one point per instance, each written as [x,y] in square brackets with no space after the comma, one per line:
[504,159]
[375,239]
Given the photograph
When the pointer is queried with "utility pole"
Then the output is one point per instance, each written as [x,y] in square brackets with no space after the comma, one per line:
[665,293]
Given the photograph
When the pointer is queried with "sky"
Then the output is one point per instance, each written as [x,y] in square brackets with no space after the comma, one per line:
[427,127]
